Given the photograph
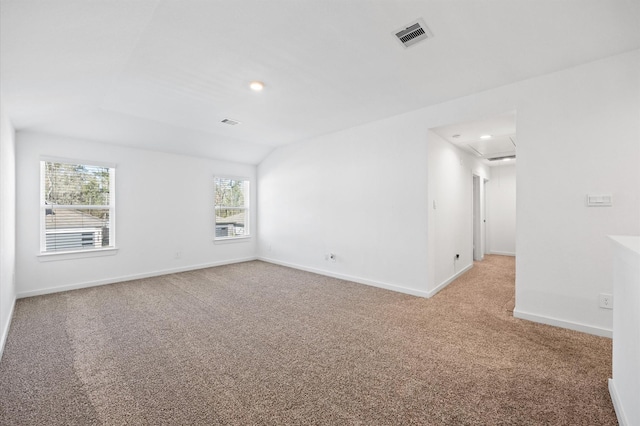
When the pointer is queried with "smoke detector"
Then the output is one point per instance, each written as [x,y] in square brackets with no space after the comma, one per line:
[413,33]
[230,122]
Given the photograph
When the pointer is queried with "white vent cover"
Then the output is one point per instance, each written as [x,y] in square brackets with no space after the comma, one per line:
[413,33]
[230,122]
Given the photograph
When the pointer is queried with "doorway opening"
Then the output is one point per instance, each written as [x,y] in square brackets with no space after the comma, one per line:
[478,218]
[488,147]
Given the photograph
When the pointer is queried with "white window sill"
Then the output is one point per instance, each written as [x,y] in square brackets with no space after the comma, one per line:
[232,240]
[78,254]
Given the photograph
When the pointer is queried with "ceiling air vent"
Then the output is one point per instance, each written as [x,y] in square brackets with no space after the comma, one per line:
[230,122]
[413,33]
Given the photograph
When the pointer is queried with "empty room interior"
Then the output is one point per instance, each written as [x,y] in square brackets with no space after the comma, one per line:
[319,212]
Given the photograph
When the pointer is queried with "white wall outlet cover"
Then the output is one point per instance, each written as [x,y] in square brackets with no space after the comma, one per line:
[605,301]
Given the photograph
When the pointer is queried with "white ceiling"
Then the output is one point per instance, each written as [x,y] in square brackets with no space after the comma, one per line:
[468,136]
[162,74]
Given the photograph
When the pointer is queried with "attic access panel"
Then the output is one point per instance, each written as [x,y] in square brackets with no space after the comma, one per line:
[497,147]
[230,121]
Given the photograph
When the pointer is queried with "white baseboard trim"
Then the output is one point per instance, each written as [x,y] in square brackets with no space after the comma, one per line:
[448,281]
[5,331]
[345,277]
[502,253]
[617,404]
[123,278]
[571,325]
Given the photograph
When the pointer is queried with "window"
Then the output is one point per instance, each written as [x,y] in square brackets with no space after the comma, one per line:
[232,208]
[77,207]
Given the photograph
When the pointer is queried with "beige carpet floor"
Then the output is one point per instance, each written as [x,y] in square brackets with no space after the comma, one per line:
[260,344]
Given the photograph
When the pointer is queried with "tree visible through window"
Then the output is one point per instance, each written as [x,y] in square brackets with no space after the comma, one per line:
[231,208]
[77,207]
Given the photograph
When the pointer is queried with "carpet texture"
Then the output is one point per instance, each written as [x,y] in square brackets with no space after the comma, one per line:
[260,344]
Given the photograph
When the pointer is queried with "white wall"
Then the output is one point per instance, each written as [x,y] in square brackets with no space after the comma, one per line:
[7,226]
[164,205]
[360,194]
[450,214]
[501,210]
[624,386]
[577,133]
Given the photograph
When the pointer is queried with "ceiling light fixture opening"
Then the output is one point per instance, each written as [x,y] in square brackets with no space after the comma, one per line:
[484,137]
[256,86]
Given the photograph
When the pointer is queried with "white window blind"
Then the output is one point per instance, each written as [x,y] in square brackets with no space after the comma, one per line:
[77,207]
[231,208]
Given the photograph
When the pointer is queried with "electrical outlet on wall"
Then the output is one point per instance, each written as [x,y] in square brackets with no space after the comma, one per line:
[605,300]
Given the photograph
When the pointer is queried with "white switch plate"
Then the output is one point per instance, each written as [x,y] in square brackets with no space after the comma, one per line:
[605,301]
[603,200]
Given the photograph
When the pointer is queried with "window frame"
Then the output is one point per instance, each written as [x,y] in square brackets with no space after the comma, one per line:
[247,210]
[111,249]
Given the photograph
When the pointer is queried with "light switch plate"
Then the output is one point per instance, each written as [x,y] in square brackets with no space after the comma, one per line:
[602,200]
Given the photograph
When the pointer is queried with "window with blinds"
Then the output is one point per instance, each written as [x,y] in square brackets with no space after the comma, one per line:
[231,208]
[77,207]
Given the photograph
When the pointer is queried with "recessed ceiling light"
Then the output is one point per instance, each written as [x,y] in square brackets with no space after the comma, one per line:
[506,159]
[256,86]
[486,137]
